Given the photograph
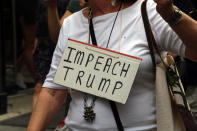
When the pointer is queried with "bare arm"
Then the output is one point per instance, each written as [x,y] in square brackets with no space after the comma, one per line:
[186,28]
[54,22]
[49,103]
[187,31]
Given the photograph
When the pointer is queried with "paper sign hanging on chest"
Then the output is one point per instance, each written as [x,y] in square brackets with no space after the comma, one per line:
[97,71]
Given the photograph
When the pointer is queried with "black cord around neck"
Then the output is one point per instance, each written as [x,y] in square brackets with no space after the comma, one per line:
[91,27]
[94,42]
[113,25]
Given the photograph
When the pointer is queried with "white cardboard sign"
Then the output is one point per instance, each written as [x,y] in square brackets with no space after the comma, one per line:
[97,71]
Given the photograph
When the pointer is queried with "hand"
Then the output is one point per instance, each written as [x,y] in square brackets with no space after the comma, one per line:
[165,8]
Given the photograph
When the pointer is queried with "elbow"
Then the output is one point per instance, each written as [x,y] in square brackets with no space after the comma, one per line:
[29,129]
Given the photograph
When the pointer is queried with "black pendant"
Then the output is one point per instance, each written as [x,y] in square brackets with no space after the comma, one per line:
[89,114]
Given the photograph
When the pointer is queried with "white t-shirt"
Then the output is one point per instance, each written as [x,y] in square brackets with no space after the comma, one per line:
[139,111]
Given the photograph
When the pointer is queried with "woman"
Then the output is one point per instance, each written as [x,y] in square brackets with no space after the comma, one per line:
[139,111]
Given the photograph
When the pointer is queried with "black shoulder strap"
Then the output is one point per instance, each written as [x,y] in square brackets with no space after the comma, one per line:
[112,104]
[93,37]
[116,115]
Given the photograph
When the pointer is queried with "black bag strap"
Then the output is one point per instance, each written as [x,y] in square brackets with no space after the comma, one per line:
[112,104]
[149,35]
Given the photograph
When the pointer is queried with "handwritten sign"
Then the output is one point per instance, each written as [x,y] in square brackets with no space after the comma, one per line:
[97,71]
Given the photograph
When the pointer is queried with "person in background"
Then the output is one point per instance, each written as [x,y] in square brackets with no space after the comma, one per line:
[26,12]
[139,111]
[45,46]
[54,21]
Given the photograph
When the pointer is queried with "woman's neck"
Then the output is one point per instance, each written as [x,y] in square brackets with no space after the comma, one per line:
[101,7]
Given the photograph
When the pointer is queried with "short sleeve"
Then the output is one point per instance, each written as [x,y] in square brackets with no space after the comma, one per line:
[166,38]
[62,40]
